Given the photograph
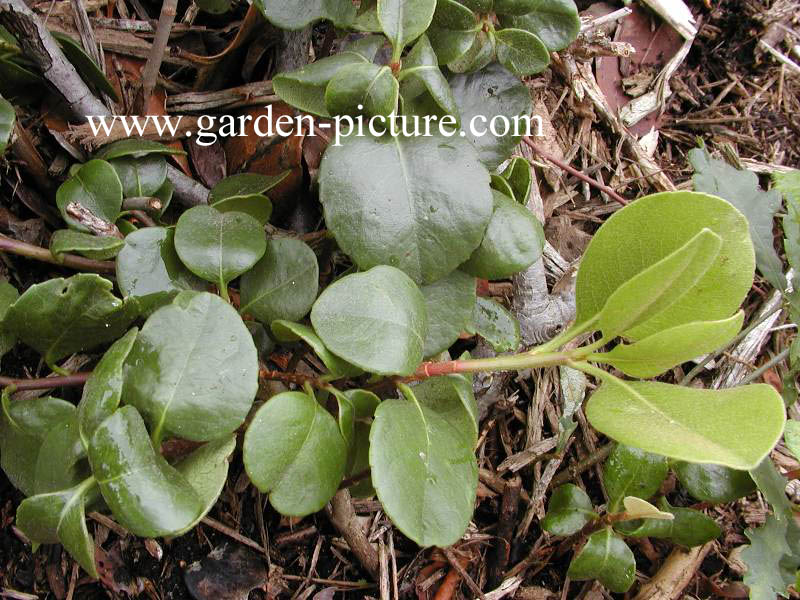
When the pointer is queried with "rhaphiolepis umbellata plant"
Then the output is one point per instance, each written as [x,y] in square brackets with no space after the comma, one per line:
[661,283]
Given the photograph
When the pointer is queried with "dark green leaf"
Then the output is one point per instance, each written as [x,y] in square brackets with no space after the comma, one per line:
[261,338]
[688,527]
[243,185]
[713,483]
[134,148]
[477,56]
[449,303]
[501,185]
[608,559]
[791,437]
[555,22]
[450,45]
[86,244]
[96,187]
[84,64]
[568,511]
[296,14]
[496,325]
[518,175]
[140,176]
[514,7]
[453,15]
[61,463]
[8,295]
[286,331]
[215,7]
[629,471]
[403,21]
[371,87]
[521,52]
[7,118]
[360,462]
[421,74]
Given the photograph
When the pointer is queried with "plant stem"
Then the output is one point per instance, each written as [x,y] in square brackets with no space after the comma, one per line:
[46,383]
[513,362]
[778,358]
[79,263]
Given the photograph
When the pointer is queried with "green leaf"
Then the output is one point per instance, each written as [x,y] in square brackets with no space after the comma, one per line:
[375,320]
[366,46]
[688,423]
[573,389]
[61,316]
[193,369]
[449,304]
[59,517]
[283,284]
[8,295]
[629,471]
[501,185]
[371,87]
[264,343]
[518,175]
[245,193]
[496,325]
[454,400]
[453,15]
[61,463]
[360,461]
[286,331]
[713,483]
[86,244]
[568,510]
[148,264]
[422,206]
[513,241]
[478,55]
[219,246]
[521,52]
[403,21]
[23,427]
[688,527]
[741,189]
[608,559]
[423,467]
[555,22]
[648,230]
[484,95]
[661,351]
[215,7]
[771,563]
[103,390]
[642,509]
[146,495]
[421,74]
[514,7]
[791,437]
[451,44]
[294,451]
[140,176]
[134,148]
[305,87]
[84,64]
[96,187]
[296,14]
[7,118]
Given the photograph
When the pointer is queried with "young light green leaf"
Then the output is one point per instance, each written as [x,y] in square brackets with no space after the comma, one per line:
[661,351]
[791,437]
[140,176]
[286,331]
[293,451]
[666,419]
[219,246]
[646,231]
[8,295]
[85,244]
[713,483]
[147,496]
[770,559]
[61,463]
[636,508]
[555,22]
[7,119]
[608,559]
[84,64]
[403,21]
[425,202]
[283,284]
[687,527]
[741,189]
[375,320]
[94,186]
[62,316]
[193,369]
[518,175]
[296,14]
[513,241]
[521,52]
[629,471]
[134,148]
[492,93]
[103,390]
[568,510]
[449,303]
[496,325]
[366,85]
[421,74]
[424,468]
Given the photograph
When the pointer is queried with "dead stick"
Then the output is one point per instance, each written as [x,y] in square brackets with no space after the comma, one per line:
[509,507]
[79,263]
[344,518]
[160,40]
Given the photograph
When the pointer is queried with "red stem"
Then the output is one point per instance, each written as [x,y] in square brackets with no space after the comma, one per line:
[79,263]
[46,383]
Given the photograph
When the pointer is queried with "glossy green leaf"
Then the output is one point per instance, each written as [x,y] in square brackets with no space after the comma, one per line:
[483,96]
[148,264]
[218,246]
[648,230]
[134,148]
[501,185]
[521,52]
[661,351]
[480,53]
[688,423]
[713,483]
[61,463]
[84,64]
[366,85]
[8,295]
[257,206]
[367,46]
[375,320]
[140,176]
[283,284]
[62,316]
[629,471]
[103,390]
[555,22]
[215,7]
[513,241]
[518,175]
[423,467]
[608,559]
[23,427]
[7,119]
[771,561]
[60,517]
[688,527]
[293,451]
[146,495]
[243,185]
[305,87]
[96,187]
[451,44]
[286,331]
[449,304]
[496,325]
[568,510]
[403,21]
[296,14]
[70,241]
[514,7]
[421,74]
[741,189]
[426,212]
[193,370]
